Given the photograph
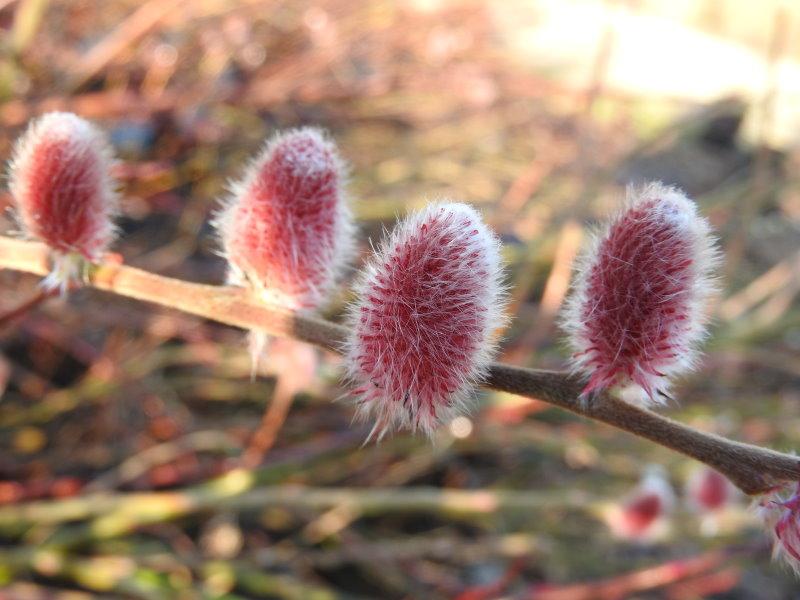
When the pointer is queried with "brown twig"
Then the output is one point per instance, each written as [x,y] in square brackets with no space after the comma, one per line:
[271,423]
[146,17]
[22,309]
[637,581]
[753,469]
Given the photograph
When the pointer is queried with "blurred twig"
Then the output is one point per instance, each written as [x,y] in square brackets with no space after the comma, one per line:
[128,32]
[773,280]
[431,546]
[271,423]
[26,23]
[26,306]
[139,464]
[555,291]
[630,583]
[110,515]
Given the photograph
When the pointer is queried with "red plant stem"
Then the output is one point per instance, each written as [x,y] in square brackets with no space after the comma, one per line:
[271,423]
[753,469]
[628,584]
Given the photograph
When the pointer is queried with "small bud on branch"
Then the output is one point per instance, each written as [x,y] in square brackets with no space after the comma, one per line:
[62,188]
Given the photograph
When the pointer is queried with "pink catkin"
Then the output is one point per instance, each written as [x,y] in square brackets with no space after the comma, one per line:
[637,311]
[641,514]
[708,490]
[422,331]
[780,512]
[287,229]
[61,183]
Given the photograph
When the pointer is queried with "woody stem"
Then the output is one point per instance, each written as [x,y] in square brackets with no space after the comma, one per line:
[752,468]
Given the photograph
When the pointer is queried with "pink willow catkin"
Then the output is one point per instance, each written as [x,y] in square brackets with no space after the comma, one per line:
[780,513]
[423,327]
[64,194]
[637,310]
[642,514]
[287,230]
[708,490]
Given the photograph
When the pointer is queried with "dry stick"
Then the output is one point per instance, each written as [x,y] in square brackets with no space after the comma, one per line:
[146,17]
[25,307]
[623,586]
[271,423]
[753,469]
[113,515]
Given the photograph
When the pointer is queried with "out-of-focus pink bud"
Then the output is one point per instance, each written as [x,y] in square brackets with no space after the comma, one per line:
[64,194]
[708,490]
[423,328]
[780,513]
[637,311]
[642,514]
[287,229]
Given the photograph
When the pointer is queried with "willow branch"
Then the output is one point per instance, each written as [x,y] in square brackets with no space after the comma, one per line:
[753,469]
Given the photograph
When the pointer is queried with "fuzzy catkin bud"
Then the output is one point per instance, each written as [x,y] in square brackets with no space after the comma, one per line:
[287,229]
[641,516]
[780,513]
[637,310]
[64,194]
[708,490]
[422,330]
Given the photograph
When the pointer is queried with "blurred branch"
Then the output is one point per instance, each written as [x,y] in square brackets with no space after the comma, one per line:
[103,574]
[111,515]
[629,584]
[439,546]
[140,463]
[26,23]
[146,17]
[25,307]
[753,469]
[271,423]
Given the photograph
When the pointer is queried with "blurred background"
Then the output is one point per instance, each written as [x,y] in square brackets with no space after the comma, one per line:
[538,112]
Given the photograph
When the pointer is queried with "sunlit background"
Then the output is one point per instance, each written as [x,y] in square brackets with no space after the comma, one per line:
[539,113]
